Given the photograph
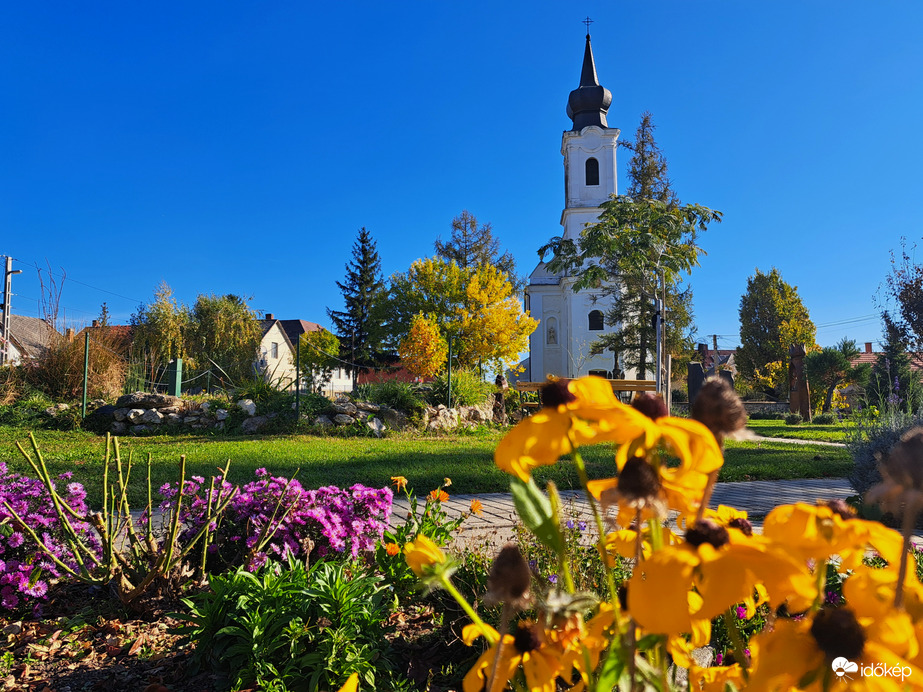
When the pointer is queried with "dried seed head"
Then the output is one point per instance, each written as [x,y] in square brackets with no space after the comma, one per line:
[707,531]
[651,405]
[904,463]
[838,633]
[841,508]
[638,481]
[719,409]
[556,393]
[510,578]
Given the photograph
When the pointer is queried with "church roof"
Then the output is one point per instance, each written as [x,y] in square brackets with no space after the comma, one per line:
[588,103]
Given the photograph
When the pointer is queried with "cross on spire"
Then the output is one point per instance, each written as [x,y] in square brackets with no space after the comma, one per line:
[587,21]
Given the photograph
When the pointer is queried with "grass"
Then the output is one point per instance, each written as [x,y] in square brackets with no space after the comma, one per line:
[466,458]
[838,432]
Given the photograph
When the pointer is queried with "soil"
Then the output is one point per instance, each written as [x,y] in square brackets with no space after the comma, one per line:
[85,642]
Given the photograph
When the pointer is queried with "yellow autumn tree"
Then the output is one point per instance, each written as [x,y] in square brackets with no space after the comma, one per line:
[424,350]
[476,307]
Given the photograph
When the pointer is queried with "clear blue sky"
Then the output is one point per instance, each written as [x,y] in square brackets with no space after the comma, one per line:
[237,147]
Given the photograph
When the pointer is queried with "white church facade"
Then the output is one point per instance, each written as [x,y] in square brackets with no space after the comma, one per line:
[570,321]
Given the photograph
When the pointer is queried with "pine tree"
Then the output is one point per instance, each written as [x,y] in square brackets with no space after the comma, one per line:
[472,245]
[632,308]
[358,326]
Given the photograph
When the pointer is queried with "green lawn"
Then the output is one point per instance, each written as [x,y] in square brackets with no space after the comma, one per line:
[839,432]
[425,461]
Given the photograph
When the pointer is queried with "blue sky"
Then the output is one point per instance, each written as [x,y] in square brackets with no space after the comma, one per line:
[237,147]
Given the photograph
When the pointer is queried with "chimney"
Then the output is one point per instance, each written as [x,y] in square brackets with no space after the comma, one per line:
[270,316]
[95,323]
[69,333]
[868,346]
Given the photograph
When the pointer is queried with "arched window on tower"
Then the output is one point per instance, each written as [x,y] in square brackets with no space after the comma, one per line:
[592,171]
[596,321]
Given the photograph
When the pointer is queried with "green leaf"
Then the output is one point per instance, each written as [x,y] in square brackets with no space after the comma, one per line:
[534,509]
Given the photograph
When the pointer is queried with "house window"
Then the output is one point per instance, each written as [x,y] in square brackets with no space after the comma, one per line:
[592,171]
[596,321]
[274,351]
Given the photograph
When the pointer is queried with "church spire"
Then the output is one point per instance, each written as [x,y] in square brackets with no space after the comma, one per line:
[589,102]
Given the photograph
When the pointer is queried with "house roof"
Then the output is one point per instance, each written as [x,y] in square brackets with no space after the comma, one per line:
[115,336]
[295,328]
[31,335]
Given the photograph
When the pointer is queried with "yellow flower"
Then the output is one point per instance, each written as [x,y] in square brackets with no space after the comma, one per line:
[438,495]
[392,548]
[421,553]
[476,507]
[446,482]
[528,647]
[400,482]
[352,684]
[716,678]
[592,415]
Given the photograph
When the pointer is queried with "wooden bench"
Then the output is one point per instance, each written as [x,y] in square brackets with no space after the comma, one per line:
[617,386]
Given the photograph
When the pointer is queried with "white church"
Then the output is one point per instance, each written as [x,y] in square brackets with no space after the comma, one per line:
[569,321]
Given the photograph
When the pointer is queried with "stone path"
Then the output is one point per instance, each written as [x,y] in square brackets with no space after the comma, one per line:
[756,497]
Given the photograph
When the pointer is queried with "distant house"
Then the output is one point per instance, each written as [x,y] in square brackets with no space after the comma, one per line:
[30,338]
[341,379]
[871,357]
[118,337]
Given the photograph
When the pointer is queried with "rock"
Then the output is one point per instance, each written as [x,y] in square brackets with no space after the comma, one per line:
[96,403]
[120,414]
[442,418]
[134,415]
[254,424]
[13,628]
[144,400]
[343,419]
[221,414]
[206,406]
[368,407]
[376,426]
[247,406]
[173,419]
[346,408]
[152,417]
[323,421]
[192,419]
[56,409]
[118,428]
[165,410]
[99,420]
[396,420]
[139,429]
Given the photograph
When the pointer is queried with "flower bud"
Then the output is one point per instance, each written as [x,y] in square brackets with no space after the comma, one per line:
[510,578]
[651,405]
[719,409]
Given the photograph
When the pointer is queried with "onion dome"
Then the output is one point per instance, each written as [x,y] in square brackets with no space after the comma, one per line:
[588,103]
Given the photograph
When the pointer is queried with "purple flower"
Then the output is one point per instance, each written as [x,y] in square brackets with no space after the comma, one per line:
[741,612]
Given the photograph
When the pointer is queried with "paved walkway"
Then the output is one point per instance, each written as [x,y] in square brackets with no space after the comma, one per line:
[756,497]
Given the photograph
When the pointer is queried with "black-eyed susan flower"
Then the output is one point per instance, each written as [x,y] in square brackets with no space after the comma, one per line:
[528,647]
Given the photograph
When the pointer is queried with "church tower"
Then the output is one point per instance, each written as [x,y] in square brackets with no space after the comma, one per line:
[569,321]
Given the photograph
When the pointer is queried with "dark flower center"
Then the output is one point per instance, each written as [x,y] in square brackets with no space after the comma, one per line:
[650,405]
[526,638]
[838,633]
[742,525]
[707,531]
[623,596]
[556,393]
[638,480]
[510,577]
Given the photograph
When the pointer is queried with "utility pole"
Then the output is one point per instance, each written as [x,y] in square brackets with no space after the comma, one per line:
[7,300]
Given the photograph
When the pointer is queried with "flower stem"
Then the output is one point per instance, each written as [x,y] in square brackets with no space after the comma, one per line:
[469,611]
[907,529]
[730,622]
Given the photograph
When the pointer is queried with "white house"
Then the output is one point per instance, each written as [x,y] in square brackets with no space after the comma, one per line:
[341,379]
[569,321]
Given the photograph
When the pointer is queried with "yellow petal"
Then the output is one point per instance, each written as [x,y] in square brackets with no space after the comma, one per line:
[421,553]
[352,684]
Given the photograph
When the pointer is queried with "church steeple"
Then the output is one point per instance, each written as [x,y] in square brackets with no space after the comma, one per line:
[589,102]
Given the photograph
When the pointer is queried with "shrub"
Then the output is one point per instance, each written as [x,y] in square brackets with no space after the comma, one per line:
[313,405]
[467,389]
[793,419]
[25,569]
[401,396]
[272,517]
[825,419]
[680,396]
[310,628]
[768,415]
[872,436]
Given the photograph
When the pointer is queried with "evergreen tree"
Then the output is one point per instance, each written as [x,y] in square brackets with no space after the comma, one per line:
[472,244]
[632,309]
[359,325]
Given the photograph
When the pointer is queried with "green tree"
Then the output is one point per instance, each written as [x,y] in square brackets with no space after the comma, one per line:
[359,326]
[643,245]
[160,329]
[772,318]
[472,244]
[318,357]
[225,332]
[832,366]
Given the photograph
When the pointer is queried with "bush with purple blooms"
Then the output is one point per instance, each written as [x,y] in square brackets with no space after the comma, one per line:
[24,567]
[272,516]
